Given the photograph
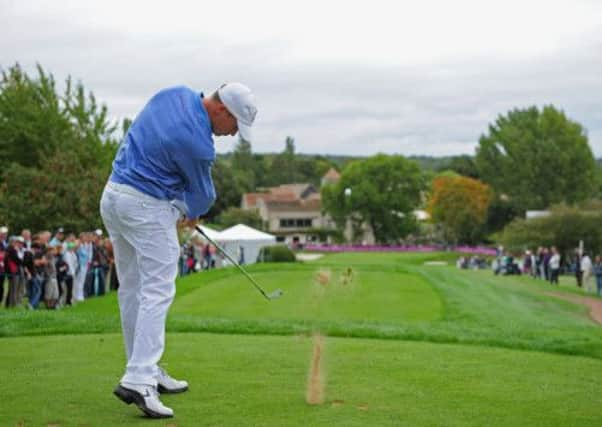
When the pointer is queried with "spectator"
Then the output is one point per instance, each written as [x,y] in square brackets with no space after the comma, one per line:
[26,234]
[71,238]
[113,280]
[95,279]
[527,266]
[36,269]
[586,271]
[84,258]
[44,237]
[23,250]
[533,271]
[578,271]
[70,258]
[206,257]
[460,262]
[241,255]
[58,238]
[51,287]
[539,270]
[4,236]
[554,266]
[547,254]
[3,248]
[212,252]
[183,265]
[598,273]
[13,267]
[61,275]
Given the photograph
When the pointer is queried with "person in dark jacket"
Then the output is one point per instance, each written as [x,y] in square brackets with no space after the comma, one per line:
[13,266]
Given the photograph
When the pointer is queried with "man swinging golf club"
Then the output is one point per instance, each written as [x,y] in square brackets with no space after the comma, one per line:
[161,172]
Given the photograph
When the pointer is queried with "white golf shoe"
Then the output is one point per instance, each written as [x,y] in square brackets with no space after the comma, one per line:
[145,397]
[167,384]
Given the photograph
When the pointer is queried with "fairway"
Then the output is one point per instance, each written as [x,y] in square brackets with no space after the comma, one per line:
[372,296]
[407,343]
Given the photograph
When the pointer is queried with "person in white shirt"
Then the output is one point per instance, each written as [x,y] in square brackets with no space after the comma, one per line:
[70,258]
[554,265]
[586,271]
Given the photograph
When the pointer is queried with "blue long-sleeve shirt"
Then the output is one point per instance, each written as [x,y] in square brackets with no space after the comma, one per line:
[168,151]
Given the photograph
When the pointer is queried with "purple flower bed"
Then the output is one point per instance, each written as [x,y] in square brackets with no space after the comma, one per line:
[480,250]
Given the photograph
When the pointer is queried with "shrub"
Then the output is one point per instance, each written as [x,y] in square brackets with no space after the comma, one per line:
[563,229]
[277,253]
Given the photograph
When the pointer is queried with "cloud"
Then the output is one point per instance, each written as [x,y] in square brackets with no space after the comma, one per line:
[402,90]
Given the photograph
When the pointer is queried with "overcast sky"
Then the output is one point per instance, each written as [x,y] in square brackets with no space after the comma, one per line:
[341,77]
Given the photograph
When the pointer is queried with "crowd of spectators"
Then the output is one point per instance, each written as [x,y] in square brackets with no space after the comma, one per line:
[55,271]
[58,270]
[548,264]
[196,255]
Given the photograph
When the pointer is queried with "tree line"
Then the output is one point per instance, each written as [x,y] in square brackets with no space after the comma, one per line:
[57,148]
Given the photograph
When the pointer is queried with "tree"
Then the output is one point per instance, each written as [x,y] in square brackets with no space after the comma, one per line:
[384,192]
[233,216]
[56,151]
[463,165]
[243,165]
[537,158]
[460,205]
[283,168]
[62,192]
[227,188]
[564,228]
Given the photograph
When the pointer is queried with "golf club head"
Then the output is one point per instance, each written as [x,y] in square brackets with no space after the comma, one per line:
[276,294]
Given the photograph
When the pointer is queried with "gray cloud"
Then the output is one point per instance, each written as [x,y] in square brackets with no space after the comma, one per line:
[352,108]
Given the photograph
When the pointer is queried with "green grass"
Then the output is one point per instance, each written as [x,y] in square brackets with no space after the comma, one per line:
[408,344]
[392,296]
[261,380]
[400,297]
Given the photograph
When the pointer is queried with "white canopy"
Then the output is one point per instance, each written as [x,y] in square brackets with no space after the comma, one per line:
[246,233]
[244,243]
[213,234]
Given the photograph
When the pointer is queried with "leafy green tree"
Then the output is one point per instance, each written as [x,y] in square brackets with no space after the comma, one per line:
[537,158]
[243,165]
[227,188]
[56,150]
[463,165]
[283,167]
[62,192]
[564,228]
[384,190]
[233,216]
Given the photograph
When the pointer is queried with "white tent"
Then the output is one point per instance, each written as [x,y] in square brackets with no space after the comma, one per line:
[246,239]
[213,234]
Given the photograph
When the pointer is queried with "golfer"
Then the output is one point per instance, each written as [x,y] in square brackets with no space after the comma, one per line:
[161,173]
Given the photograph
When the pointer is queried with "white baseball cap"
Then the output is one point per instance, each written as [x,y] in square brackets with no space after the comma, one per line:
[240,102]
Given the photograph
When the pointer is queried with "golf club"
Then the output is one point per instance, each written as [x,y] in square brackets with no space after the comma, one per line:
[276,294]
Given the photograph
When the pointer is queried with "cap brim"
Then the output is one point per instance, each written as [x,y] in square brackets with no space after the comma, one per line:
[244,132]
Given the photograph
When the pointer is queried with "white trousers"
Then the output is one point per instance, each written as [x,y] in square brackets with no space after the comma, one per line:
[78,283]
[145,243]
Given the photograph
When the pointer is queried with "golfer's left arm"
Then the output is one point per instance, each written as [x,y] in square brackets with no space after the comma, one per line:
[199,192]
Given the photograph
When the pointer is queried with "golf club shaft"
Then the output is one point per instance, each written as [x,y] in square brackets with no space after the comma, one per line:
[227,255]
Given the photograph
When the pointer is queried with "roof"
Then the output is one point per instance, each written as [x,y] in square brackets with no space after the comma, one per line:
[283,193]
[244,232]
[250,199]
[332,175]
[312,204]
